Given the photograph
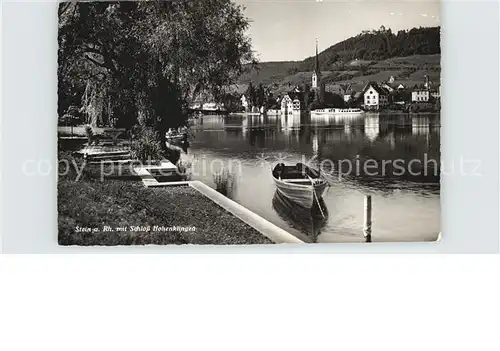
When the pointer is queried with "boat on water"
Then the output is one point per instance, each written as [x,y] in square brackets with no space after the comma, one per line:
[338,111]
[300,183]
[273,112]
[246,114]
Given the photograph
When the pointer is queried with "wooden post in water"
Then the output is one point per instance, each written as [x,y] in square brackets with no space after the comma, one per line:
[367,223]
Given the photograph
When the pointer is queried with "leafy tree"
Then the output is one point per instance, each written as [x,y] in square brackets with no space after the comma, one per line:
[231,101]
[148,58]
[333,100]
[251,94]
[360,53]
[260,95]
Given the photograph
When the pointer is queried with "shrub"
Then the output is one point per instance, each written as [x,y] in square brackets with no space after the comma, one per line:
[146,146]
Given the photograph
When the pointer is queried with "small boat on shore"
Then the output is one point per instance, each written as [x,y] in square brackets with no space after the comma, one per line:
[301,184]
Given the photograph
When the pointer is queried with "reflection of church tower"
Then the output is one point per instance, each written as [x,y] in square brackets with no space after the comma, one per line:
[315,143]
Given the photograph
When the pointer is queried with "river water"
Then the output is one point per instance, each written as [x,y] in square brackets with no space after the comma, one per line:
[358,155]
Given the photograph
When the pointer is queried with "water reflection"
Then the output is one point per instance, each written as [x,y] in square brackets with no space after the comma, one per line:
[290,126]
[372,127]
[420,125]
[310,222]
[372,136]
[411,201]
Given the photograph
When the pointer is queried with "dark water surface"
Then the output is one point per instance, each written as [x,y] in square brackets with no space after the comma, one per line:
[406,206]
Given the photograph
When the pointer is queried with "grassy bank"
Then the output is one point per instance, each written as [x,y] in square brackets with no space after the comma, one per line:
[119,206]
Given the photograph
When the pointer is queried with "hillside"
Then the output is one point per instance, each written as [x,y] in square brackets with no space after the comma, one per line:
[409,71]
[407,56]
[267,72]
[379,45]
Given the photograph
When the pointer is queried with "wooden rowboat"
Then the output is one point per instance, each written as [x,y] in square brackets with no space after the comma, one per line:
[301,184]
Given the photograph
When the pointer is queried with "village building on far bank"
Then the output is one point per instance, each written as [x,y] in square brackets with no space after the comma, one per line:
[426,92]
[286,105]
[244,102]
[348,96]
[436,92]
[388,87]
[420,95]
[296,105]
[375,97]
[291,102]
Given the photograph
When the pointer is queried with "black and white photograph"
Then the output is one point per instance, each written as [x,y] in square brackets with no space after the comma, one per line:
[249,122]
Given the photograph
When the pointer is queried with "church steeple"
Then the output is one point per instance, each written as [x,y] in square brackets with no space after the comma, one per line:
[316,76]
[316,69]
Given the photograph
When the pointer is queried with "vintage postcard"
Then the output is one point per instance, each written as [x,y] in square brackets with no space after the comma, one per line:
[238,122]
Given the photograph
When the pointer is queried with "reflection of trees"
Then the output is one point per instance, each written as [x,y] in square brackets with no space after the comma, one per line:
[214,122]
[398,138]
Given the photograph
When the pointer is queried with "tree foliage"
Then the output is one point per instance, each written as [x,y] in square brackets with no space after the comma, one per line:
[147,59]
[261,95]
[378,45]
[251,95]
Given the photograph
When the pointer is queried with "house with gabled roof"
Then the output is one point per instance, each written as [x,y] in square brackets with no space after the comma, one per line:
[375,96]
[420,93]
[388,86]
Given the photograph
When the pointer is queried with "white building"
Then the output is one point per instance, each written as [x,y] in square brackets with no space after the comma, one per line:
[375,97]
[244,102]
[286,105]
[420,95]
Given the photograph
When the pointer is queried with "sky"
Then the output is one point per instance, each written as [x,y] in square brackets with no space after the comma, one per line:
[286,30]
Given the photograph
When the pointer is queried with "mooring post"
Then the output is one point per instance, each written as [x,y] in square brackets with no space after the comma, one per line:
[367,226]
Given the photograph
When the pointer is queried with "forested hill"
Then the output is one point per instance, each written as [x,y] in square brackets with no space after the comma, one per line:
[379,45]
[369,46]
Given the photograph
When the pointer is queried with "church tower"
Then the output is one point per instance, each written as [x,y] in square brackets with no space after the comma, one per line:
[317,85]
[316,77]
